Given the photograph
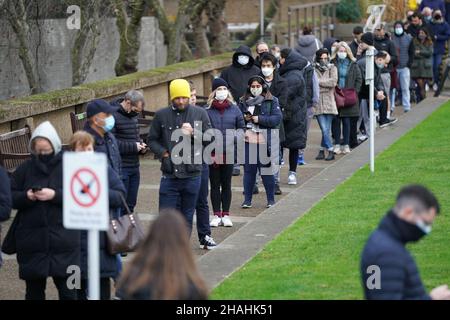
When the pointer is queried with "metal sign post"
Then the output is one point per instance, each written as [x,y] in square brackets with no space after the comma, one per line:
[86,205]
[261,8]
[370,81]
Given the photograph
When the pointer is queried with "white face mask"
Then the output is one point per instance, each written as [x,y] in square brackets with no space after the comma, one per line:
[399,31]
[277,55]
[342,55]
[256,91]
[243,60]
[221,95]
[267,72]
[426,228]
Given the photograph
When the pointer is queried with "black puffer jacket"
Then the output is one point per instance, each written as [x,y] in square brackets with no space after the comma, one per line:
[295,112]
[386,44]
[237,75]
[44,247]
[279,89]
[399,276]
[126,131]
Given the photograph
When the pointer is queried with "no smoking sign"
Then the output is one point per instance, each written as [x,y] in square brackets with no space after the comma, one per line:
[85,199]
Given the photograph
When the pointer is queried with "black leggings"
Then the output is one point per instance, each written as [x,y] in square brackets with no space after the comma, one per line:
[35,289]
[293,158]
[220,178]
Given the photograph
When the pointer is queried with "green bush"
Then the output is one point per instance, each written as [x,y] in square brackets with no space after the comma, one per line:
[348,11]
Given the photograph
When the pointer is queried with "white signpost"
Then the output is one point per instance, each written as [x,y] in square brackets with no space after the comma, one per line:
[374,20]
[86,205]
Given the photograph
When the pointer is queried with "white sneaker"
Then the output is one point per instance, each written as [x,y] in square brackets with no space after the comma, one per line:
[346,149]
[435,87]
[226,221]
[427,87]
[292,178]
[337,149]
[217,221]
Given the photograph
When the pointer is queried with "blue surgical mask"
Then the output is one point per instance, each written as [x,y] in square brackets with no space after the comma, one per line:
[109,123]
[428,18]
[426,228]
[380,65]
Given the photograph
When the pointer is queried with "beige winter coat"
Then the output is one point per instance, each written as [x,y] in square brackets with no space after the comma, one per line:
[327,83]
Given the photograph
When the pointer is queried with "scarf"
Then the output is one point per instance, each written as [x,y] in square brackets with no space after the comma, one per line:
[343,66]
[220,106]
[321,67]
[254,101]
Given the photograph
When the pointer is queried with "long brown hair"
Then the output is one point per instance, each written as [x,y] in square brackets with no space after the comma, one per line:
[165,262]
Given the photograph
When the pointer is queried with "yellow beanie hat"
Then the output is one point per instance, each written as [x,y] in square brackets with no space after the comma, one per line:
[179,88]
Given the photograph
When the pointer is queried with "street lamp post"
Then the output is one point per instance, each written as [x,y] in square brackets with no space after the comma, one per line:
[261,8]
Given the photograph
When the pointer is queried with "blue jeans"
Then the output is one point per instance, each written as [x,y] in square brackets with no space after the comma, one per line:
[202,208]
[325,121]
[405,79]
[131,178]
[437,60]
[180,194]
[250,171]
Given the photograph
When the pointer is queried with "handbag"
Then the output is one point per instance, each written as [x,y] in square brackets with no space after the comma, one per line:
[346,97]
[126,233]
[9,243]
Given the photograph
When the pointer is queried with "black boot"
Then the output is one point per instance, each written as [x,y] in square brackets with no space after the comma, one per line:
[321,155]
[277,189]
[330,156]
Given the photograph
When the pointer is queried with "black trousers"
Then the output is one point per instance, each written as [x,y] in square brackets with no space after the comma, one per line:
[220,179]
[105,289]
[293,158]
[353,132]
[35,289]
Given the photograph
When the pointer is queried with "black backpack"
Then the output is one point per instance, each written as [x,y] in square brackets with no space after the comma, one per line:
[308,73]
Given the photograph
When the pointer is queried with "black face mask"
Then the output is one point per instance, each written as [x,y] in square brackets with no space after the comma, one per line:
[45,158]
[409,232]
[133,114]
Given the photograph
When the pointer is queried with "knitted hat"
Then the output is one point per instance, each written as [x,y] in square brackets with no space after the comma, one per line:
[367,38]
[218,82]
[179,88]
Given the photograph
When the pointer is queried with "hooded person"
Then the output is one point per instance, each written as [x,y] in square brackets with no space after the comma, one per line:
[308,44]
[243,68]
[295,112]
[441,31]
[44,247]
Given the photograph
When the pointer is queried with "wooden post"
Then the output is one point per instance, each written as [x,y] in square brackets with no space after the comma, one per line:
[320,23]
[297,22]
[289,27]
[313,14]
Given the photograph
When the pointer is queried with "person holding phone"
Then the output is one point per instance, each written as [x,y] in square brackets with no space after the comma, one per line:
[44,247]
[181,173]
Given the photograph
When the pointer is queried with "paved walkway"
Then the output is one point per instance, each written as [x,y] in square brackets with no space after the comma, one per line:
[253,228]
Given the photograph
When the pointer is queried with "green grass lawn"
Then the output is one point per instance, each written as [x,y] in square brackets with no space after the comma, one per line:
[318,256]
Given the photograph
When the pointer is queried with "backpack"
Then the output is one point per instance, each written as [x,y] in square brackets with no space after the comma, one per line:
[308,73]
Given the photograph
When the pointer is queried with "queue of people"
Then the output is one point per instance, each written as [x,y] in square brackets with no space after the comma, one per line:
[258,108]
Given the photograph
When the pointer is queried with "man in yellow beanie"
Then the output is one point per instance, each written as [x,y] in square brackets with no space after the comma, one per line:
[175,137]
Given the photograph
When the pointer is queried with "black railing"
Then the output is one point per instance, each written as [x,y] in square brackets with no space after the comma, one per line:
[321,16]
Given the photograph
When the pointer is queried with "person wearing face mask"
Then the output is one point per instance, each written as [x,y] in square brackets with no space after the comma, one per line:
[404,45]
[243,68]
[100,124]
[383,42]
[417,23]
[427,15]
[262,114]
[81,141]
[422,66]
[295,114]
[348,76]
[409,221]
[44,247]
[172,128]
[126,132]
[278,87]
[275,50]
[261,48]
[433,5]
[441,31]
[224,115]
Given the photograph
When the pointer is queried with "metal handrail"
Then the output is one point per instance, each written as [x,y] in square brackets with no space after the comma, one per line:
[314,4]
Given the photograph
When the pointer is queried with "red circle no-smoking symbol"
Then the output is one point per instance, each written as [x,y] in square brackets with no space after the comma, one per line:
[85,187]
